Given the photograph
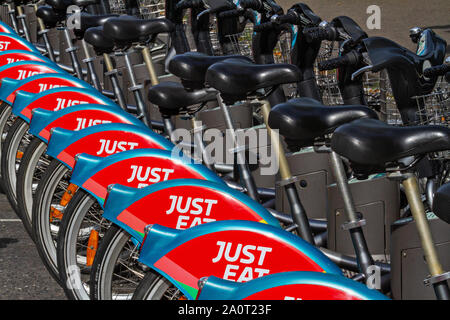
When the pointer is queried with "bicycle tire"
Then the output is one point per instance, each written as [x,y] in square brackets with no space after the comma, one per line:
[25,179]
[9,159]
[42,231]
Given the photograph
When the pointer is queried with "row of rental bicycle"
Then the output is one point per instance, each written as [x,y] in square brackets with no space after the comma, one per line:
[112,124]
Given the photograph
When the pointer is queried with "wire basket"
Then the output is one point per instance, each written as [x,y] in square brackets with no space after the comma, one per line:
[327,80]
[282,51]
[240,43]
[377,90]
[148,9]
[434,108]
[151,9]
[117,7]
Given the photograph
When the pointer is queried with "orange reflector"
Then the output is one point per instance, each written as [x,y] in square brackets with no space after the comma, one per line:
[91,248]
[67,196]
[19,155]
[55,214]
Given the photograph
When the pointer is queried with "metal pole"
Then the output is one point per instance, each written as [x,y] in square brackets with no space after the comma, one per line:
[354,223]
[89,62]
[43,32]
[112,74]
[418,212]
[240,156]
[22,17]
[298,211]
[73,56]
[136,89]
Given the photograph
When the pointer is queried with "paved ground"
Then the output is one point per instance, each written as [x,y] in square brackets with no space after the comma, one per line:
[397,16]
[22,274]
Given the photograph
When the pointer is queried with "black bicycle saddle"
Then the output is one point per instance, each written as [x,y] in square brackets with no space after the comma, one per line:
[59,5]
[49,16]
[127,29]
[302,120]
[373,143]
[172,97]
[95,37]
[191,67]
[238,78]
[85,3]
[85,21]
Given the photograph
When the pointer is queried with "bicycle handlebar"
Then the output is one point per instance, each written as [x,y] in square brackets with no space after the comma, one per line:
[241,9]
[264,26]
[435,71]
[290,17]
[230,13]
[186,4]
[319,33]
[250,4]
[350,58]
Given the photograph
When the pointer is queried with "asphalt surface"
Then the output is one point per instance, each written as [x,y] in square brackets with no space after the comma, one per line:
[22,274]
[396,16]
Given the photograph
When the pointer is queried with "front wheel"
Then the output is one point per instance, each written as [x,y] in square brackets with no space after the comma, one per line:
[33,166]
[116,272]
[47,213]
[157,287]
[14,146]
[81,231]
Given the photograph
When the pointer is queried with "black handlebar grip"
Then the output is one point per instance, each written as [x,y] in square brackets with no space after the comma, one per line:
[318,34]
[250,4]
[186,4]
[351,58]
[437,70]
[263,26]
[230,13]
[290,17]
[333,63]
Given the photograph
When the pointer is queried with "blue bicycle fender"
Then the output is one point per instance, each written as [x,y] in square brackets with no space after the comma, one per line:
[10,85]
[219,289]
[61,138]
[88,165]
[42,118]
[23,98]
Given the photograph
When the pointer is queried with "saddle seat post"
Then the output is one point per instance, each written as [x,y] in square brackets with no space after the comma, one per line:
[355,222]
[298,211]
[111,73]
[22,18]
[438,278]
[239,151]
[136,89]
[89,61]
[12,16]
[43,32]
[72,51]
